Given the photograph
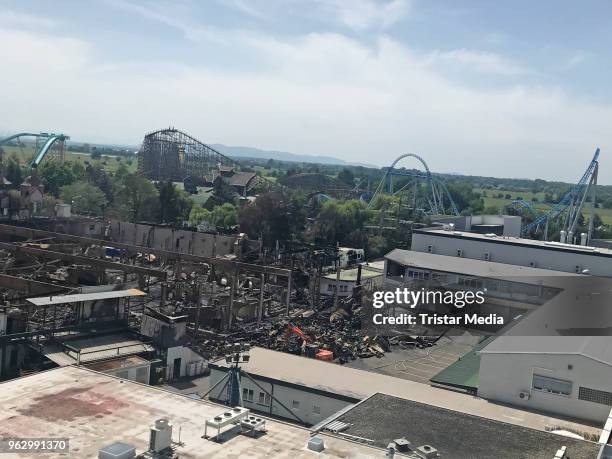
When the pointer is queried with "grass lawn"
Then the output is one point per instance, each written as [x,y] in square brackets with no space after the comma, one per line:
[499,203]
[110,163]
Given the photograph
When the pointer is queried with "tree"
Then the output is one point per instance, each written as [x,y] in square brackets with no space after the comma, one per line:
[267,218]
[84,198]
[224,216]
[14,174]
[95,153]
[346,177]
[96,175]
[174,204]
[138,199]
[342,222]
[58,174]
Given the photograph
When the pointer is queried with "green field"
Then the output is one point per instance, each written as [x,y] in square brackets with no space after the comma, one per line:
[491,200]
[110,164]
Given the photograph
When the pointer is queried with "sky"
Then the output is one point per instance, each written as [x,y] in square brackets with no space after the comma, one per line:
[506,89]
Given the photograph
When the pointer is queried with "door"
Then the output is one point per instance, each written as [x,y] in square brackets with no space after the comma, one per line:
[176,373]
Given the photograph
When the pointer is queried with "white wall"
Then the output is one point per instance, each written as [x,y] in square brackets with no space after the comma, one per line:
[325,283]
[327,405]
[503,376]
[138,373]
[185,354]
[513,254]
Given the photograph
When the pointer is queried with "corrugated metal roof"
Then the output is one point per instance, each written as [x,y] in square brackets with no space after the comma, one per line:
[77,298]
[478,268]
[598,348]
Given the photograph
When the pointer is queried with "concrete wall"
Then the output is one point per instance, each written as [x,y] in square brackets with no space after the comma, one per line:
[309,402]
[503,376]
[555,260]
[175,240]
[138,373]
[186,355]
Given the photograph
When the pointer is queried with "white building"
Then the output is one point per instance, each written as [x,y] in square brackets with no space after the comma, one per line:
[549,255]
[566,375]
[501,225]
[511,290]
[348,279]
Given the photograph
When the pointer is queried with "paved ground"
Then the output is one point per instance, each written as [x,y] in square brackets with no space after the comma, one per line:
[419,365]
[192,386]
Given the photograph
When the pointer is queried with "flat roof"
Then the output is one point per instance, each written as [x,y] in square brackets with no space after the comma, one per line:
[476,268]
[384,418]
[546,245]
[360,384]
[116,364]
[350,275]
[79,297]
[95,348]
[95,410]
[598,348]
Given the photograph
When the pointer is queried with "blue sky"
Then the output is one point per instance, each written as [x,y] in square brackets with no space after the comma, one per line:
[513,89]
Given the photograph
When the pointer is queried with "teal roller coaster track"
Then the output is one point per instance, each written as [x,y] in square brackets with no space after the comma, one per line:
[49,141]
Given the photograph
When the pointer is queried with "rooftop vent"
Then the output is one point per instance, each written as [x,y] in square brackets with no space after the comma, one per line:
[117,450]
[402,444]
[316,444]
[427,452]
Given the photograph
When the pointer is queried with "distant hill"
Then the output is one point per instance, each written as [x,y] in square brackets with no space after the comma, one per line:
[249,152]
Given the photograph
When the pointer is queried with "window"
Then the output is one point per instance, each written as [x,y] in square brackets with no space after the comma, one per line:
[487,256]
[142,374]
[430,248]
[262,398]
[316,409]
[552,385]
[459,253]
[577,269]
[330,287]
[296,405]
[247,394]
[267,399]
[596,396]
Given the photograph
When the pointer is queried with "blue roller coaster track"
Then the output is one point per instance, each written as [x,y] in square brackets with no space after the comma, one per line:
[571,204]
[438,191]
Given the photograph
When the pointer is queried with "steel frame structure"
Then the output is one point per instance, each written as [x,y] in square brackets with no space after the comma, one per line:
[170,154]
[46,144]
[572,203]
[437,188]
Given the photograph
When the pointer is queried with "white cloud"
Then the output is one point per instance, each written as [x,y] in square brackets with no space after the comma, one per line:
[173,15]
[319,94]
[10,18]
[479,61]
[363,15]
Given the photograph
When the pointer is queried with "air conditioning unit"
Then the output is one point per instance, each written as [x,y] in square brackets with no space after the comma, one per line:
[161,435]
[524,395]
